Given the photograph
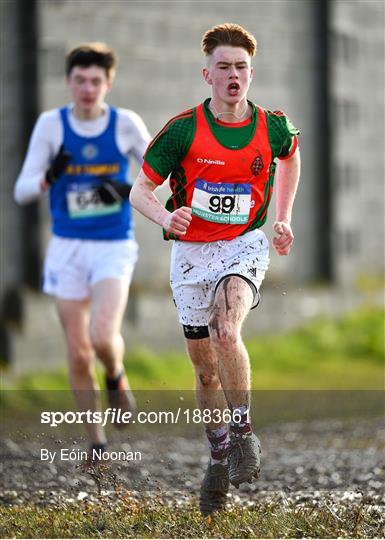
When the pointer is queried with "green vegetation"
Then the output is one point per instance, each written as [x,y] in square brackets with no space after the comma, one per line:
[154,519]
[342,354]
[325,354]
[329,355]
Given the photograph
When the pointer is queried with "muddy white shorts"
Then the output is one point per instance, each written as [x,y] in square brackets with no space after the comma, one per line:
[198,267]
[73,266]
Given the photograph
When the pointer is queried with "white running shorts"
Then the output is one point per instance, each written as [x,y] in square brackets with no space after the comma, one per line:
[198,267]
[73,266]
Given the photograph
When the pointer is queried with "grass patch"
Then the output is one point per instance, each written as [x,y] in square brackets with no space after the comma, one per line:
[153,519]
[325,354]
[329,356]
[347,353]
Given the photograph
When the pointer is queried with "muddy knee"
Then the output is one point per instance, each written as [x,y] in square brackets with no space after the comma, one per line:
[223,334]
[208,380]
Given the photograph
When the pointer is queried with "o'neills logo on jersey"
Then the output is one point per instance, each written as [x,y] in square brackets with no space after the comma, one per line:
[210,161]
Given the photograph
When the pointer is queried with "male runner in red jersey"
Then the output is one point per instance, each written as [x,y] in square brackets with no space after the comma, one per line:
[221,158]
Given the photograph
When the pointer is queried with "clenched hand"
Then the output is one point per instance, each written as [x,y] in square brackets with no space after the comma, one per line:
[284,238]
[177,222]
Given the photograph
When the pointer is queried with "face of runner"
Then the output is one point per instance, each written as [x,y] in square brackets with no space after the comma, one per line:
[229,72]
[88,87]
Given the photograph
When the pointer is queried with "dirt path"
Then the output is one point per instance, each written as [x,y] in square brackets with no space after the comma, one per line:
[302,462]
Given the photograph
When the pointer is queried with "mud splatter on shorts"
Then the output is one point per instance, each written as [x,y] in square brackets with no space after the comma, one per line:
[197,267]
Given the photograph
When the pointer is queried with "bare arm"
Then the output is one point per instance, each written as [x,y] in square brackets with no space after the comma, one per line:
[288,172]
[144,200]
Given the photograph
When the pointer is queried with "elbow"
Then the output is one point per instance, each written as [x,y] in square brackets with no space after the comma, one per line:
[18,196]
[141,192]
[24,196]
[132,196]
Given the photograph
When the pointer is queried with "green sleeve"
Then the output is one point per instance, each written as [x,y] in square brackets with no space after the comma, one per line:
[281,133]
[170,146]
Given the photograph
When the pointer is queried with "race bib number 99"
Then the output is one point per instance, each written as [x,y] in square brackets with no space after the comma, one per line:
[84,201]
[221,203]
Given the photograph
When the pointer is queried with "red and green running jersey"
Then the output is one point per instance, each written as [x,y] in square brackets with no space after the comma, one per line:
[224,172]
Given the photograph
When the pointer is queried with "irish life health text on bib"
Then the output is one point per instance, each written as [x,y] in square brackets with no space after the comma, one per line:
[220,202]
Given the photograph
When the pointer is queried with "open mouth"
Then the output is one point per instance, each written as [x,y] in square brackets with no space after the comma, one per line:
[233,88]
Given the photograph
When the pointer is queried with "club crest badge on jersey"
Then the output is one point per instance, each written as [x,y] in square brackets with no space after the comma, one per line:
[257,165]
[89,151]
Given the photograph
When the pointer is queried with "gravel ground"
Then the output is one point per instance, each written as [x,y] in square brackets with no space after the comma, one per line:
[301,462]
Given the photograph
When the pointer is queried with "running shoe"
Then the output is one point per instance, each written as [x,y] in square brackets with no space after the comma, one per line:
[244,458]
[214,489]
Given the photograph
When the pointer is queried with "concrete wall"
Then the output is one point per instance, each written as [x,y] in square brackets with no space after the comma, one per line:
[357,119]
[15,112]
[11,133]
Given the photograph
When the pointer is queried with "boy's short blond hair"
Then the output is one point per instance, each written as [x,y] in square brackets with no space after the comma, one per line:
[228,34]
